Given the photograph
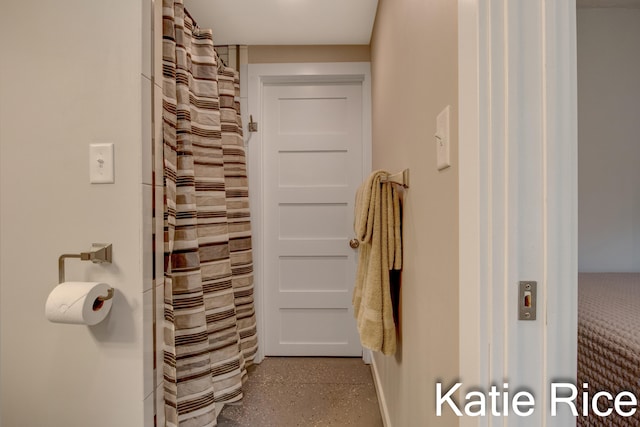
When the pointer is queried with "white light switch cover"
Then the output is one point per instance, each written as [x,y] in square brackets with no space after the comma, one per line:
[442,139]
[101,164]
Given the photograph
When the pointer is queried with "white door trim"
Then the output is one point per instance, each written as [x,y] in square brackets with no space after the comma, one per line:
[518,197]
[258,76]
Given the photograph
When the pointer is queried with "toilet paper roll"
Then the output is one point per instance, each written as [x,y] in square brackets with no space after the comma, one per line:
[77,303]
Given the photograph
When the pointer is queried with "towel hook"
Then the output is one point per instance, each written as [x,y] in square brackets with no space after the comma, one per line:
[253,126]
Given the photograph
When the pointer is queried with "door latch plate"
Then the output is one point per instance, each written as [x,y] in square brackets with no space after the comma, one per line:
[527,300]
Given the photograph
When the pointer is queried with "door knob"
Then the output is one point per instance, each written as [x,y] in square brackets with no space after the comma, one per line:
[354,243]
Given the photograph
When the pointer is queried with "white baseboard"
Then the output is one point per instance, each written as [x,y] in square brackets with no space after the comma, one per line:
[366,356]
[382,402]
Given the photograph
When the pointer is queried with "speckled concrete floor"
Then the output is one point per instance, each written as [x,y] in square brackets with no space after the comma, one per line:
[306,392]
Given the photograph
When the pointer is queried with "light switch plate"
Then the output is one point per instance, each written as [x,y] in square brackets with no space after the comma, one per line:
[442,139]
[101,167]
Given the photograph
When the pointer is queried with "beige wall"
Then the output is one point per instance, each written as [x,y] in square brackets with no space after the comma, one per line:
[72,75]
[608,142]
[414,75]
[313,53]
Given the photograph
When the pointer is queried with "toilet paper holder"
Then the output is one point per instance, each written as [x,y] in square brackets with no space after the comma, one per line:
[100,253]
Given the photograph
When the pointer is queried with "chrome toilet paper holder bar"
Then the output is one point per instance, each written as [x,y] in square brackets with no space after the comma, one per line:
[100,253]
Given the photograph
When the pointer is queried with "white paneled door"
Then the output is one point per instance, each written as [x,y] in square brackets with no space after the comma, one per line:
[313,148]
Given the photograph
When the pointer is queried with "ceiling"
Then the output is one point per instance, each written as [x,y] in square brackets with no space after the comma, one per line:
[289,22]
[304,22]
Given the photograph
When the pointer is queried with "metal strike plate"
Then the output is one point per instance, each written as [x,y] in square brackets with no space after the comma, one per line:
[527,300]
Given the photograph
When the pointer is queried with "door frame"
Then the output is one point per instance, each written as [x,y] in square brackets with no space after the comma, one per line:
[518,163]
[259,75]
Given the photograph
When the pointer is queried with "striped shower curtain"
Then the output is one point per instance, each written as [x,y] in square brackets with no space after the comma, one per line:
[210,328]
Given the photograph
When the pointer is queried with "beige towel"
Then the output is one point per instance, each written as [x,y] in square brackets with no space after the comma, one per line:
[377,226]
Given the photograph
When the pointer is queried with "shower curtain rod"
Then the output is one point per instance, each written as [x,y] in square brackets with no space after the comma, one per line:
[186,12]
[195,25]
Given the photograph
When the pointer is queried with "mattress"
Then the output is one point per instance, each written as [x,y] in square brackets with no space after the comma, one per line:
[609,340]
